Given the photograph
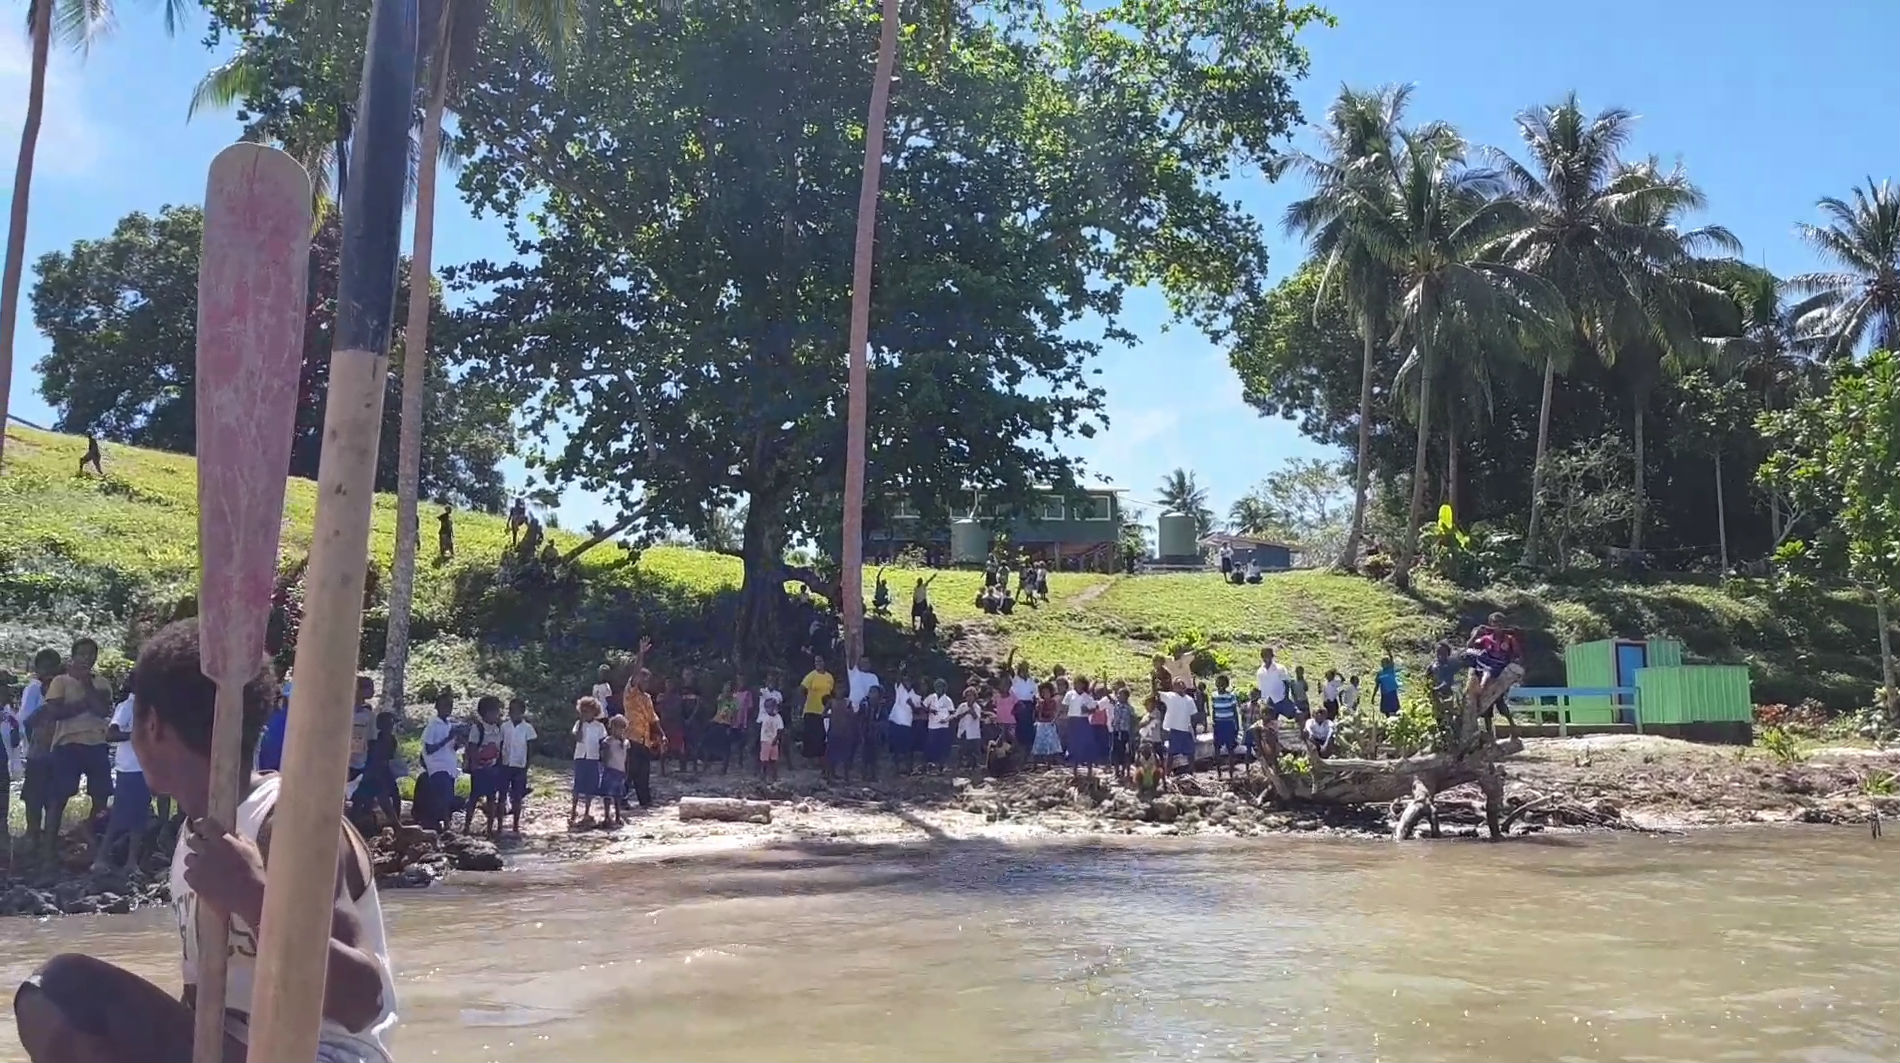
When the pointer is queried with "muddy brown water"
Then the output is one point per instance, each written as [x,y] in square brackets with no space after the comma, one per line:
[1732,945]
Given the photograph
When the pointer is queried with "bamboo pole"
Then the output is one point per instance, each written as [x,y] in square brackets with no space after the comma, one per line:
[252,300]
[300,880]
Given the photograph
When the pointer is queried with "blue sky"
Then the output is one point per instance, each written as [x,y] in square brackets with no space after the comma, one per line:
[1769,108]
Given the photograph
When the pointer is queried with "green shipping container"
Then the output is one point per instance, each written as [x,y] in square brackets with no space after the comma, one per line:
[1593,665]
[1697,693]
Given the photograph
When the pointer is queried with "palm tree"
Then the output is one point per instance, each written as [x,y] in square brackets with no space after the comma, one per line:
[1252,514]
[1862,300]
[550,25]
[76,23]
[1577,197]
[1354,165]
[1432,231]
[1182,493]
[858,384]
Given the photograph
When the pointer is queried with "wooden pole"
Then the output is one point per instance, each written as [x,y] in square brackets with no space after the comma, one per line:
[851,556]
[251,308]
[300,881]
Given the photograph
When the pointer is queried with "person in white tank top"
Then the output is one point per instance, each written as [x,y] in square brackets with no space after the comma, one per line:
[79,1007]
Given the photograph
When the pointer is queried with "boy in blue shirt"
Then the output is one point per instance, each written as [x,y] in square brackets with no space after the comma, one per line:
[1388,683]
[1224,708]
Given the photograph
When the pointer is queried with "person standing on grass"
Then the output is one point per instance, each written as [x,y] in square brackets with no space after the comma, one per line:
[1298,690]
[1349,697]
[79,705]
[1177,720]
[645,737]
[445,534]
[1388,683]
[817,686]
[920,602]
[131,798]
[1224,707]
[484,767]
[1329,690]
[589,733]
[435,798]
[378,784]
[771,725]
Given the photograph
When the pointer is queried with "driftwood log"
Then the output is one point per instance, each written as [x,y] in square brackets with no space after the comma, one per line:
[729,809]
[1471,755]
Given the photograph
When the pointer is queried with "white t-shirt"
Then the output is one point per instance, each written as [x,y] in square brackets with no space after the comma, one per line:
[940,707]
[514,743]
[1319,730]
[1348,697]
[124,758]
[770,725]
[970,723]
[1272,680]
[903,706]
[604,693]
[587,740]
[1330,691]
[1077,703]
[442,759]
[30,700]
[1023,688]
[858,684]
[1177,711]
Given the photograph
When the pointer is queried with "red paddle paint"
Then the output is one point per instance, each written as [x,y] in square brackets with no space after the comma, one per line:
[251,304]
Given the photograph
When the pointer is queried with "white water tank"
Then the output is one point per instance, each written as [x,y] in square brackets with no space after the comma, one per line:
[969,542]
[1177,541]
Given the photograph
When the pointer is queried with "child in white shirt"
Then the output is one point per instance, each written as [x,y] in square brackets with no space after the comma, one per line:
[517,735]
[939,708]
[969,717]
[771,725]
[588,735]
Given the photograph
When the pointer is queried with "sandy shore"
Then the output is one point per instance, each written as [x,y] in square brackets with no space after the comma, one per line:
[1613,782]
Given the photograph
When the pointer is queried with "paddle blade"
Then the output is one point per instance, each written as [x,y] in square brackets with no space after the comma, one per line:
[252,277]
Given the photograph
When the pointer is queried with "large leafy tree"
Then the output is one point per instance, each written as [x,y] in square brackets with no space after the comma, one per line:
[674,317]
[1859,300]
[1354,171]
[121,314]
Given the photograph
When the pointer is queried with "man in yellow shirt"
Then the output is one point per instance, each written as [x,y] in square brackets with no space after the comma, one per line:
[818,686]
[647,738]
[79,705]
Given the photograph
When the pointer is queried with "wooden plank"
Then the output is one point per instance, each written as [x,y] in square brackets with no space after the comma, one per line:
[252,276]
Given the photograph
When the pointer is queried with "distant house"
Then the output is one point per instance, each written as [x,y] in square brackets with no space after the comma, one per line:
[1271,556]
[1074,533]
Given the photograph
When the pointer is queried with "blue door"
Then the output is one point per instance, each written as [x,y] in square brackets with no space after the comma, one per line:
[1629,657]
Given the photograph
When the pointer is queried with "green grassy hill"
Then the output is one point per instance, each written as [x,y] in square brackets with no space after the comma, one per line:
[112,556]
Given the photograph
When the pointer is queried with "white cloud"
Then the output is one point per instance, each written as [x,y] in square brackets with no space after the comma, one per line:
[70,142]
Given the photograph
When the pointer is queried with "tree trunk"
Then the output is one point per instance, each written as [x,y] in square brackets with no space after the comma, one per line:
[757,642]
[1349,555]
[415,357]
[728,809]
[22,185]
[1721,512]
[1640,510]
[851,555]
[1537,463]
[1408,535]
[1451,463]
[1889,696]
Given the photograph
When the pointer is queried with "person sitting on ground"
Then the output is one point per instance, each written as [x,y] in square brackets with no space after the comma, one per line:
[1253,571]
[78,1007]
[589,733]
[1149,771]
[1319,732]
[1000,754]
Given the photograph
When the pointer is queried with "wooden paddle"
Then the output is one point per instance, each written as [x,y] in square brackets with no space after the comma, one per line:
[300,882]
[251,306]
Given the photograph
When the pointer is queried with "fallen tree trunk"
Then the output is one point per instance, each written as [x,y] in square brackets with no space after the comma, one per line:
[728,809]
[1472,757]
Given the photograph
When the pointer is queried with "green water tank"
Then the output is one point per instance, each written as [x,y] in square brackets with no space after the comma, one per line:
[1177,541]
[969,542]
